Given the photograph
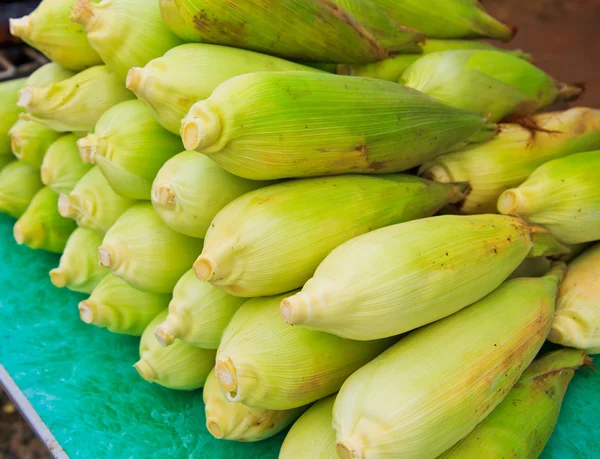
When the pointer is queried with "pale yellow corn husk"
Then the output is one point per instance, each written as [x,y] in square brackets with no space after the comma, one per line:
[9,111]
[48,74]
[125,33]
[30,140]
[198,313]
[312,435]
[271,240]
[74,104]
[49,30]
[263,362]
[577,319]
[171,84]
[507,160]
[563,195]
[62,166]
[120,308]
[401,277]
[415,402]
[180,366]
[190,190]
[235,421]
[19,182]
[92,203]
[79,269]
[146,253]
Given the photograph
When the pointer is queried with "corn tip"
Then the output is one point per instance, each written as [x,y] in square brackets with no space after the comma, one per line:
[134,80]
[106,256]
[82,12]
[227,377]
[65,207]
[86,311]
[20,27]
[18,234]
[509,202]
[25,97]
[163,194]
[294,309]
[214,428]
[204,268]
[58,277]
[88,147]
[201,127]
[163,335]
[145,370]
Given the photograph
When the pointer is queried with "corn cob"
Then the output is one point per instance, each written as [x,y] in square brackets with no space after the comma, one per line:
[62,167]
[117,306]
[125,33]
[522,424]
[19,182]
[79,269]
[190,190]
[48,74]
[41,226]
[180,366]
[312,434]
[263,362]
[236,421]
[74,104]
[49,30]
[392,69]
[492,83]
[506,161]
[129,147]
[146,253]
[92,203]
[198,313]
[9,111]
[563,195]
[412,402]
[399,278]
[346,31]
[271,240]
[577,319]
[274,125]
[446,18]
[30,141]
[171,84]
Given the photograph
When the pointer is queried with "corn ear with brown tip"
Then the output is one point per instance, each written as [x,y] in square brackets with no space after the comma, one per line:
[19,182]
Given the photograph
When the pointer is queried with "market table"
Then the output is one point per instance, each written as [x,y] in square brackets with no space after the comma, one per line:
[76,385]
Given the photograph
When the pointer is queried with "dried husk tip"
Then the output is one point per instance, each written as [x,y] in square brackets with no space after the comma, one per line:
[89,147]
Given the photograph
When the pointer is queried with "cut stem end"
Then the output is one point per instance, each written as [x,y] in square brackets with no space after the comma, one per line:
[87,311]
[164,194]
[214,428]
[510,202]
[145,370]
[20,27]
[106,256]
[25,97]
[227,377]
[204,268]
[58,278]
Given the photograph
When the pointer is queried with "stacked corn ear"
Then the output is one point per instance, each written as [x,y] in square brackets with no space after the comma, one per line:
[265,126]
[344,31]
[563,195]
[30,140]
[492,83]
[48,74]
[62,166]
[401,277]
[522,424]
[577,319]
[171,84]
[272,239]
[49,30]
[413,402]
[9,112]
[19,182]
[129,147]
[227,420]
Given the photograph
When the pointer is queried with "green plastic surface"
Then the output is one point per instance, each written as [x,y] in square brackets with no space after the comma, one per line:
[81,381]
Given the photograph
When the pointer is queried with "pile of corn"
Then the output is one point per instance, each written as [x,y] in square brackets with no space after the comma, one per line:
[289,260]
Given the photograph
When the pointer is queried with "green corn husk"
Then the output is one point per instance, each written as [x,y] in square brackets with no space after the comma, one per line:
[171,84]
[346,31]
[49,30]
[129,147]
[19,182]
[446,18]
[238,422]
[577,319]
[125,33]
[392,69]
[271,240]
[79,269]
[412,402]
[198,313]
[312,435]
[5,160]
[41,226]
[506,161]
[263,362]
[563,195]
[180,366]
[146,253]
[401,277]
[492,83]
[9,112]
[62,167]
[30,141]
[190,190]
[522,424]
[48,74]
[74,104]
[92,203]
[120,308]
[266,126]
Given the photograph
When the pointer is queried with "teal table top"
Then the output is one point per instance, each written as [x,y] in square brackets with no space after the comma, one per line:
[81,382]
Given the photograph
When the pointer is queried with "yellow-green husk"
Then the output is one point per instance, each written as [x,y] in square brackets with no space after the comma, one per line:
[30,140]
[62,166]
[19,182]
[48,74]
[9,112]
